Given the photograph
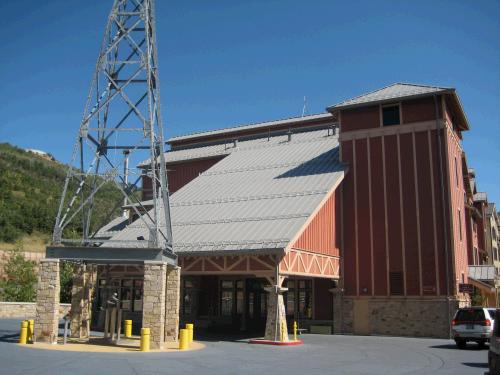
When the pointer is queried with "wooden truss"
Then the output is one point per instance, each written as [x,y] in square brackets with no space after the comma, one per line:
[303,263]
[262,265]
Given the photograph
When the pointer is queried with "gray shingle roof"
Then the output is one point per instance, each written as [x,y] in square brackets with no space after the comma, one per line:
[388,93]
[257,198]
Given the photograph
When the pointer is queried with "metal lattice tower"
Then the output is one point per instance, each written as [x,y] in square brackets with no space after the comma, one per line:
[122,119]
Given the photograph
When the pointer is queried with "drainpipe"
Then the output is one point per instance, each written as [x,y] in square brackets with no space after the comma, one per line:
[443,211]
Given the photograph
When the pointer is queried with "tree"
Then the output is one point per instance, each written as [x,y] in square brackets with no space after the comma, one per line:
[20,285]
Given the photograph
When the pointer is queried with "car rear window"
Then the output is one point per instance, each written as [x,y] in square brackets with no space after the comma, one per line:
[470,315]
[492,313]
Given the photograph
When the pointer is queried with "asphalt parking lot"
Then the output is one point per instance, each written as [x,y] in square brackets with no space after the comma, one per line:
[320,354]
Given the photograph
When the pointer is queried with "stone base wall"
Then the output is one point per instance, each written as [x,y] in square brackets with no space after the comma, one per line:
[47,302]
[172,302]
[153,310]
[26,310]
[422,317]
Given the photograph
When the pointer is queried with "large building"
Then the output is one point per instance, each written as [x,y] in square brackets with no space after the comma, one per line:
[357,218]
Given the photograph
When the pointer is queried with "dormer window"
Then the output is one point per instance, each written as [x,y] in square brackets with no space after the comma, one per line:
[390,115]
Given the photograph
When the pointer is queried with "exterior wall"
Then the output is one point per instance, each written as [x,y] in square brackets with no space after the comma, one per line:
[391,215]
[414,317]
[457,206]
[238,134]
[26,310]
[319,236]
[179,174]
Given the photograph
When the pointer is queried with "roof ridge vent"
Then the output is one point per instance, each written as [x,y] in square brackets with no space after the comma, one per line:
[333,129]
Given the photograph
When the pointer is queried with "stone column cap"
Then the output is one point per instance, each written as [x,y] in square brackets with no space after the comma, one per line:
[47,260]
[155,263]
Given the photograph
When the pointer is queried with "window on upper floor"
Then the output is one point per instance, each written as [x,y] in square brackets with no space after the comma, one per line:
[456,171]
[390,115]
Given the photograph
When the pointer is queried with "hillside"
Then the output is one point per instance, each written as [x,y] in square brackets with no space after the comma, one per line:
[30,189]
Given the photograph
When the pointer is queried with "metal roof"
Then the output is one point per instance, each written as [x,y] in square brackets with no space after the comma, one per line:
[257,198]
[481,196]
[388,93]
[266,124]
[485,272]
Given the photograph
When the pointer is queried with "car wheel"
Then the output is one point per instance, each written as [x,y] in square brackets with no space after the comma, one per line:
[461,343]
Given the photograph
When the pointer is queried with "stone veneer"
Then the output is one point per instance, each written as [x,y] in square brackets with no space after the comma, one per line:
[172,301]
[26,310]
[153,310]
[275,311]
[414,317]
[47,302]
[81,301]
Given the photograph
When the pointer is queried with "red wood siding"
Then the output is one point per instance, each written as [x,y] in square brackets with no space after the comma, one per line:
[457,207]
[410,240]
[319,235]
[360,118]
[419,110]
[179,174]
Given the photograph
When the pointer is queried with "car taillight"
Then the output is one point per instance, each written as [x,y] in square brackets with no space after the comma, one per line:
[453,322]
[487,322]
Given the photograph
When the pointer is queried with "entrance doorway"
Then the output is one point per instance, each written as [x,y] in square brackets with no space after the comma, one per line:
[256,303]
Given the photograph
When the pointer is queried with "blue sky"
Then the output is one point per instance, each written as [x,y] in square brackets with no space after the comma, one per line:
[226,63]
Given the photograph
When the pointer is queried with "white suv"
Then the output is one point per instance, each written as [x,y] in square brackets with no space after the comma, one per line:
[472,324]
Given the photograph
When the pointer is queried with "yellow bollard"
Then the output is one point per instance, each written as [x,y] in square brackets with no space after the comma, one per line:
[31,329]
[23,337]
[282,331]
[190,328]
[128,328]
[294,331]
[184,339]
[145,333]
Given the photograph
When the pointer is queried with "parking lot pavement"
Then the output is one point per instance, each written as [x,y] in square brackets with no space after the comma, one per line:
[320,354]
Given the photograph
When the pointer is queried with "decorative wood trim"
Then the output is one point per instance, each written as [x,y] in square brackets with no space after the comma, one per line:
[227,265]
[390,130]
[299,262]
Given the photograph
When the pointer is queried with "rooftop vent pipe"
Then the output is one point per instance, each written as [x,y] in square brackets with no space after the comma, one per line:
[289,135]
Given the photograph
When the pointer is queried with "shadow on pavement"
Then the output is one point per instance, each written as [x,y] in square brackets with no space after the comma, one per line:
[8,336]
[477,365]
[454,347]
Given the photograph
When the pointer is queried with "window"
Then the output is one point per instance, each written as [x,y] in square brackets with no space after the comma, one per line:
[456,170]
[390,115]
[460,223]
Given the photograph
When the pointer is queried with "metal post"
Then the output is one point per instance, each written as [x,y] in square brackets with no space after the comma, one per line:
[118,326]
[66,324]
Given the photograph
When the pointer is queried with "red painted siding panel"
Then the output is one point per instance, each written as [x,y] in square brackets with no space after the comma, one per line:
[418,110]
[410,217]
[360,118]
[349,251]
[439,207]
[426,214]
[393,211]
[378,216]
[319,236]
[363,218]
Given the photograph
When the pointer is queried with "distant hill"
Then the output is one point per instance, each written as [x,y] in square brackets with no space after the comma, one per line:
[30,189]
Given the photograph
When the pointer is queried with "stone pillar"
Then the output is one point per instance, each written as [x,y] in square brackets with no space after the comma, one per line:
[276,314]
[172,302]
[337,310]
[81,301]
[47,302]
[153,309]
